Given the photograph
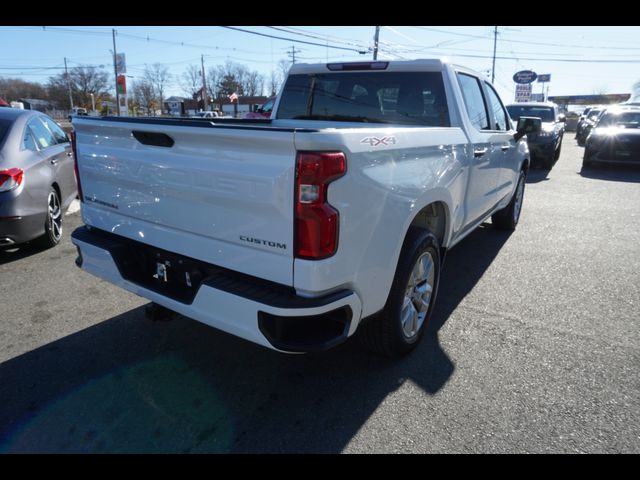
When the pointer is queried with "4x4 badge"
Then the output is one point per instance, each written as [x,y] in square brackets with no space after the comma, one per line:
[379,142]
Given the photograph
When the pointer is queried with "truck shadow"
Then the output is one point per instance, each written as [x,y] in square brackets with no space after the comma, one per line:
[130,385]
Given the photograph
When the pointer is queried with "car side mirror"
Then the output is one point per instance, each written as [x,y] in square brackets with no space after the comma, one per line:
[527,125]
[562,118]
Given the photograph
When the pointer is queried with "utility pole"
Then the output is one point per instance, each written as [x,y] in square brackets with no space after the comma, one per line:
[375,43]
[115,71]
[495,41]
[204,86]
[66,73]
[292,53]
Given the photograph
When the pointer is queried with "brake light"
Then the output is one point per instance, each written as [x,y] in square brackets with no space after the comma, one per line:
[75,164]
[316,220]
[338,67]
[10,179]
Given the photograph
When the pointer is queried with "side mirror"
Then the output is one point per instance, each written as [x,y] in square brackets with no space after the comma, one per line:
[527,125]
[562,118]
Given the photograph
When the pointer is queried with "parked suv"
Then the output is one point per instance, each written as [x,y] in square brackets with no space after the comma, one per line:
[545,145]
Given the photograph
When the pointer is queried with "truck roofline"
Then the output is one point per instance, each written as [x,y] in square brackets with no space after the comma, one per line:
[423,64]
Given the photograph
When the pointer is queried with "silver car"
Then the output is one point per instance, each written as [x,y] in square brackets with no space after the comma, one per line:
[37,180]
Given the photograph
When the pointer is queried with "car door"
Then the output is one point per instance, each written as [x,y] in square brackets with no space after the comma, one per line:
[503,143]
[484,169]
[51,152]
[66,176]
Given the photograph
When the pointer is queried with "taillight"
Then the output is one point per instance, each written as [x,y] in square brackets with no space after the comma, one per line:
[10,179]
[75,164]
[316,220]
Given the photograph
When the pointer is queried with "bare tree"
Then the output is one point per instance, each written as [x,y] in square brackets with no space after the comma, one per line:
[15,88]
[191,80]
[158,76]
[144,95]
[253,83]
[213,78]
[274,83]
[84,80]
[283,68]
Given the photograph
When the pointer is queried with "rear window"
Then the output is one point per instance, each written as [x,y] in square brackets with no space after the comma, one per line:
[544,113]
[625,119]
[409,98]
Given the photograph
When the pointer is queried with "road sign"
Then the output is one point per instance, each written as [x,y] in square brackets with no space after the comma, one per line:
[121,64]
[523,92]
[544,77]
[525,76]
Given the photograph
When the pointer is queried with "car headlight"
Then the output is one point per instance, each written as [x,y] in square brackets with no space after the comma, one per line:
[546,132]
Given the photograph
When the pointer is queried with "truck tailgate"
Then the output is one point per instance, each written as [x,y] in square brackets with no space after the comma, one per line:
[220,194]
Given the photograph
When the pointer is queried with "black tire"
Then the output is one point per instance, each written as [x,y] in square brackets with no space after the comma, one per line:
[508,217]
[556,155]
[384,333]
[53,223]
[547,162]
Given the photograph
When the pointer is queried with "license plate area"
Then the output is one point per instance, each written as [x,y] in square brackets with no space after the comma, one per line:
[167,273]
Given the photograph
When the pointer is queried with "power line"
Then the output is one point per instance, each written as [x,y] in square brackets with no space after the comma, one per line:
[292,39]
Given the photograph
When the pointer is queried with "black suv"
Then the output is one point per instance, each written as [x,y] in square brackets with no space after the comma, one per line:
[545,145]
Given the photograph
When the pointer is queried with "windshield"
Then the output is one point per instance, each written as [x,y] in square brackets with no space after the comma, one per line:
[410,98]
[544,113]
[617,119]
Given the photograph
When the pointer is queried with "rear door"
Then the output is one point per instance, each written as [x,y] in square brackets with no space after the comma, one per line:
[503,143]
[64,159]
[487,154]
[222,194]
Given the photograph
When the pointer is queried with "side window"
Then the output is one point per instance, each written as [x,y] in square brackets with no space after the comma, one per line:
[474,101]
[28,142]
[44,138]
[58,133]
[499,115]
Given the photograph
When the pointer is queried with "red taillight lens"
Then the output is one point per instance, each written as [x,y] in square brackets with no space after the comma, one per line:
[10,179]
[75,164]
[316,220]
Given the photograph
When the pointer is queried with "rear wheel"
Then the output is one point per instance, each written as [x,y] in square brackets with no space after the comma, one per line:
[556,156]
[53,224]
[508,217]
[399,327]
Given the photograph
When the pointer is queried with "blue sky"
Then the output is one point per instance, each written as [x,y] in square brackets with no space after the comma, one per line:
[581,60]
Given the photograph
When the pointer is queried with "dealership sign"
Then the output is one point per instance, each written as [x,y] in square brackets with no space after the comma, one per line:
[525,76]
[523,93]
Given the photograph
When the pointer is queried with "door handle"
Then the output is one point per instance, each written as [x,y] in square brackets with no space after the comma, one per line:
[480,152]
[69,154]
[504,148]
[53,161]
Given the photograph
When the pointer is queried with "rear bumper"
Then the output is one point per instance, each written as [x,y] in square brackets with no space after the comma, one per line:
[17,229]
[263,312]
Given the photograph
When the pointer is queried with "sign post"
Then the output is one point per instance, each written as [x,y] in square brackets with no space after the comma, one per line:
[121,84]
[544,78]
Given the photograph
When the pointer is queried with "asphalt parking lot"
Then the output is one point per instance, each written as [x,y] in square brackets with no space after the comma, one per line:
[534,346]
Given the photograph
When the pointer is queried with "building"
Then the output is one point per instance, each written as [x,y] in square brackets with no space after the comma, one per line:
[37,104]
[241,106]
[181,106]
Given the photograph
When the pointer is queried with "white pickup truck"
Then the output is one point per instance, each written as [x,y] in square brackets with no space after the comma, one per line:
[332,216]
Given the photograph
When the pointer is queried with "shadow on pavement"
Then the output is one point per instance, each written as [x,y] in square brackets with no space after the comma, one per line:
[131,385]
[537,175]
[613,173]
[20,252]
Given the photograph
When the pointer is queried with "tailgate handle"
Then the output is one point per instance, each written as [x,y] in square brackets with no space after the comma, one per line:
[153,138]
